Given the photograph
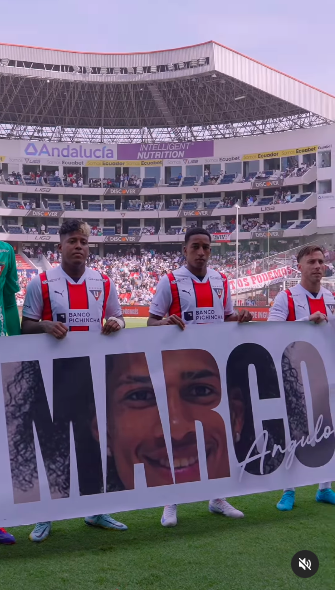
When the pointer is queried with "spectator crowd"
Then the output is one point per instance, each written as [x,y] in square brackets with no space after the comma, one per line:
[136,275]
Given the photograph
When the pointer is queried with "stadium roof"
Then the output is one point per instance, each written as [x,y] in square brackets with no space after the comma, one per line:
[205,91]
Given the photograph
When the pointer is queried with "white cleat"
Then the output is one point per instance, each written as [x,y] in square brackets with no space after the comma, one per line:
[221,506]
[169,517]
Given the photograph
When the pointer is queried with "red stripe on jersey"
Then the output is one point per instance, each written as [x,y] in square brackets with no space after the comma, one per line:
[225,288]
[107,290]
[175,308]
[291,309]
[78,299]
[316,305]
[203,294]
[47,311]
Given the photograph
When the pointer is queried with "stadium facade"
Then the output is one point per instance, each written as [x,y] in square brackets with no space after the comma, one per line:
[144,145]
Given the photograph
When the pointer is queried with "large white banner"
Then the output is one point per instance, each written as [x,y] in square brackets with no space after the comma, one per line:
[148,417]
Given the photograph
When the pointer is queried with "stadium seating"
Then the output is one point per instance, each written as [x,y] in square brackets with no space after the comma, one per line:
[108,231]
[228,179]
[109,182]
[134,231]
[68,206]
[303,224]
[212,204]
[302,197]
[132,205]
[174,205]
[53,230]
[54,205]
[174,181]
[52,181]
[149,230]
[94,183]
[189,181]
[15,204]
[264,201]
[94,206]
[149,182]
[108,206]
[21,263]
[251,176]
[190,205]
[27,180]
[14,229]
[174,230]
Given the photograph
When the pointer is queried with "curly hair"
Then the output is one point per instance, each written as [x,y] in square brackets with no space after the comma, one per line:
[26,403]
[238,387]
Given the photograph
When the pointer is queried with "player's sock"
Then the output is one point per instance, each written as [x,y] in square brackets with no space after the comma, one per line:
[325,486]
[169,517]
[221,506]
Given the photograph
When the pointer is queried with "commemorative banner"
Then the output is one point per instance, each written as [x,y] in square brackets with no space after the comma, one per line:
[95,424]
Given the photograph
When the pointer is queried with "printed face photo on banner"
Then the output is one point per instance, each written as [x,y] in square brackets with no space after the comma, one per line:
[134,429]
[135,433]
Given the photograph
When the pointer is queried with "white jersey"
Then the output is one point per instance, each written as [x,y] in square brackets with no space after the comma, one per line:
[81,305]
[297,304]
[194,300]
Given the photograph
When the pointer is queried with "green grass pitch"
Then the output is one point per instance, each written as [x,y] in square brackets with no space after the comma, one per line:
[136,322]
[204,552]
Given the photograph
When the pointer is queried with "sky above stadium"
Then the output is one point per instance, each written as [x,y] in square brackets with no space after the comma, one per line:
[295,38]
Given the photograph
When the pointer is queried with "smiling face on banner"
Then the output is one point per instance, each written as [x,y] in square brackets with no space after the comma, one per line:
[135,433]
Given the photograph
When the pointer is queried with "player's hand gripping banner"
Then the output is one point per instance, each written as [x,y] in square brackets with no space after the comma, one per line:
[96,424]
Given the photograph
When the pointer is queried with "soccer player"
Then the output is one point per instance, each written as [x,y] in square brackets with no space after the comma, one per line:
[9,318]
[307,301]
[195,294]
[72,298]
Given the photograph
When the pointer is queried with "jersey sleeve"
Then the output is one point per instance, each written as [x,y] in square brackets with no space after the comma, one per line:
[162,299]
[113,308]
[33,303]
[279,310]
[12,282]
[229,309]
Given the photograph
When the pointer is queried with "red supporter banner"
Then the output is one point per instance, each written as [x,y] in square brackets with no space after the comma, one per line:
[261,280]
[135,311]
